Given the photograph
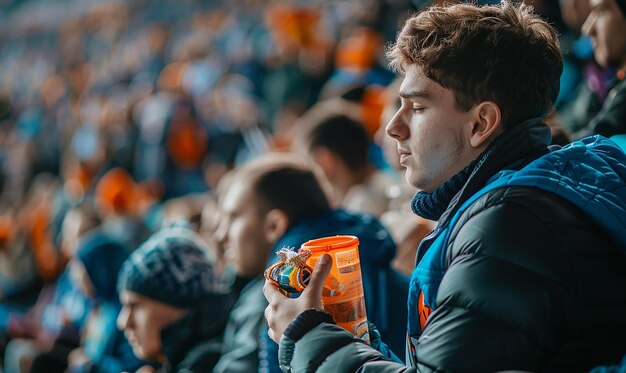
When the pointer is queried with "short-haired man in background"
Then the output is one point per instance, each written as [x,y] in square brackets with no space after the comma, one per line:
[277,201]
[339,144]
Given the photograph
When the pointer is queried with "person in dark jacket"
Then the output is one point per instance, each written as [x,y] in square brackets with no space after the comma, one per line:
[174,306]
[103,348]
[275,202]
[526,269]
[606,25]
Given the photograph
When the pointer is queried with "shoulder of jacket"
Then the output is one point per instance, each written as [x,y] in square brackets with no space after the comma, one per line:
[251,303]
[528,197]
[528,228]
[518,204]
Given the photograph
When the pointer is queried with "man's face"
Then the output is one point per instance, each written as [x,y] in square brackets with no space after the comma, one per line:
[429,132]
[142,320]
[241,231]
[606,25]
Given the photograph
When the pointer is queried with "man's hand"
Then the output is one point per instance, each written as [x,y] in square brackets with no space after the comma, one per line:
[282,310]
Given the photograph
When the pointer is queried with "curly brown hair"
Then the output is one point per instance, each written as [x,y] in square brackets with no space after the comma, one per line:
[502,53]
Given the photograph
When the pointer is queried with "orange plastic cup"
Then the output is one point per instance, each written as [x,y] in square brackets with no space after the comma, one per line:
[343,295]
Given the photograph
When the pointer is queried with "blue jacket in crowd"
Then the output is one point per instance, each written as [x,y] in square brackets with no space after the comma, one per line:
[104,344]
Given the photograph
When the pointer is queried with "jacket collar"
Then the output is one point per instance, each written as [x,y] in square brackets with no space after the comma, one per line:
[512,150]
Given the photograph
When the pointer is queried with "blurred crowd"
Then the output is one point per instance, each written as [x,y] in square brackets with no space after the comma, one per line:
[122,118]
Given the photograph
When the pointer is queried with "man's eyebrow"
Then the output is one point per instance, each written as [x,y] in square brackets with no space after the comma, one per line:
[414,94]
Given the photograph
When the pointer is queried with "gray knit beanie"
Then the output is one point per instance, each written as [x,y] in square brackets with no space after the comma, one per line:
[172,267]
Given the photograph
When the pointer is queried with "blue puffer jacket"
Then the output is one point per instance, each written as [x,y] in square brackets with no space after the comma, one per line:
[590,174]
[385,289]
[526,270]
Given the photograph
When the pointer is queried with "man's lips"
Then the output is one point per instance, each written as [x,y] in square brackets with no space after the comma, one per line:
[402,151]
[403,155]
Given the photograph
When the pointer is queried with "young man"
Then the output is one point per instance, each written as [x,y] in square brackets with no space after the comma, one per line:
[173,308]
[526,269]
[606,25]
[277,201]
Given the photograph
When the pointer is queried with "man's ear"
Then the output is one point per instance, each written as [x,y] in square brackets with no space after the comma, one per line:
[487,124]
[276,224]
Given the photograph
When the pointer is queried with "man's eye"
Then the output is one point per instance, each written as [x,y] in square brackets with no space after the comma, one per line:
[418,108]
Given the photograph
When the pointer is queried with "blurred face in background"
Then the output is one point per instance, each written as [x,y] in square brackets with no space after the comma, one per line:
[606,25]
[241,230]
[142,320]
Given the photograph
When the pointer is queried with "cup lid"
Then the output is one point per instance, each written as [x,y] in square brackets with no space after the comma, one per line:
[325,244]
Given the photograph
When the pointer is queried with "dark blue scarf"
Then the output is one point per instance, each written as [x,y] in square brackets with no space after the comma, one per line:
[431,205]
[513,149]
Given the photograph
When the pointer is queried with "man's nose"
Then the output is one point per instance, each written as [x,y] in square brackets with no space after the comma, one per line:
[397,127]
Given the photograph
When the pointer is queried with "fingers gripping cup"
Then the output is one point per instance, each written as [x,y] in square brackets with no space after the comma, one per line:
[342,295]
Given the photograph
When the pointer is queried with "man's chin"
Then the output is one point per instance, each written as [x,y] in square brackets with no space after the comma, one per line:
[412,179]
[420,186]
